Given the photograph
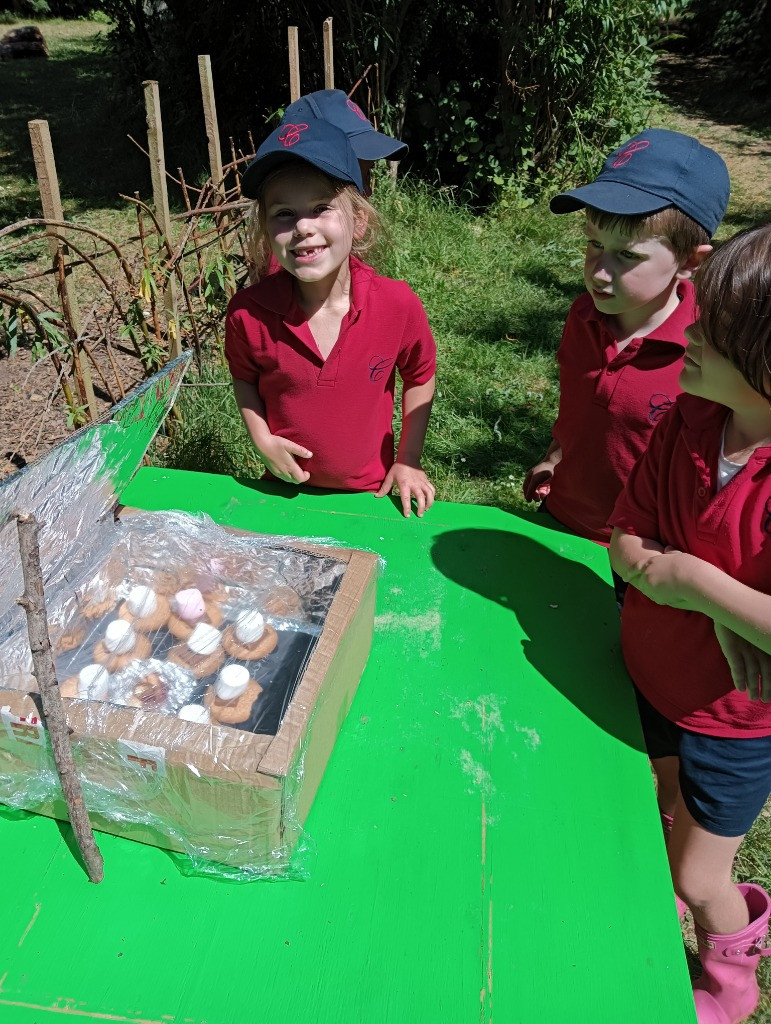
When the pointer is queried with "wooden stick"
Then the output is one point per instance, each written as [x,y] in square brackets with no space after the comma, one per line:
[33,602]
[294,64]
[48,185]
[210,120]
[161,200]
[329,63]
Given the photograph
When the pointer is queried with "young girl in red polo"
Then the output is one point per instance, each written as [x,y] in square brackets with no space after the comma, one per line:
[314,347]
[693,539]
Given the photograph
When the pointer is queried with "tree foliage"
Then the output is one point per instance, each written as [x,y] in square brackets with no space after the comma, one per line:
[734,28]
[486,93]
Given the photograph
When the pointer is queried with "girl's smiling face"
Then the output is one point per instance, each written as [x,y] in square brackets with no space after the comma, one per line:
[310,224]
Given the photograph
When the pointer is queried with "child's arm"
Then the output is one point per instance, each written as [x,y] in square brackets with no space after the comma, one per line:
[742,615]
[537,483]
[276,452]
[406,471]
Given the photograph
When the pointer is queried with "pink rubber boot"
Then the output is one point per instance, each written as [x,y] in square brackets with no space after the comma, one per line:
[727,991]
[666,823]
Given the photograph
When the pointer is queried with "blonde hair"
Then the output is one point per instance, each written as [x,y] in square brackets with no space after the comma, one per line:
[360,211]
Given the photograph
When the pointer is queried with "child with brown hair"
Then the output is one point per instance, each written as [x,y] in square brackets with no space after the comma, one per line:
[692,538]
[650,215]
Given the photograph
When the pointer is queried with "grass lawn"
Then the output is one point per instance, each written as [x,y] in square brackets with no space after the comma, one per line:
[496,289]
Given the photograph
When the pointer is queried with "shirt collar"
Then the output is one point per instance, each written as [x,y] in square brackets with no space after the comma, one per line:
[275,292]
[699,415]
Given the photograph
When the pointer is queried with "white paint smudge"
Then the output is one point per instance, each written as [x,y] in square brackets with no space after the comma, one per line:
[479,775]
[481,718]
[427,627]
[532,739]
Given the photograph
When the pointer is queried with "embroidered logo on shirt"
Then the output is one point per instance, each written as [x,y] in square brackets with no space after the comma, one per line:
[658,404]
[767,517]
[290,134]
[378,366]
[355,108]
[626,154]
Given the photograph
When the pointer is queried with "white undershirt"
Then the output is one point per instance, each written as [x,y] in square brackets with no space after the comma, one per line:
[726,470]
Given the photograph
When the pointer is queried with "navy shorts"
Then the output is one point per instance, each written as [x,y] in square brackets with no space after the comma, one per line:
[724,781]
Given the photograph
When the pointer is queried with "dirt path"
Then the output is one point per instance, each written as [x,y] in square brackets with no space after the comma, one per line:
[703,100]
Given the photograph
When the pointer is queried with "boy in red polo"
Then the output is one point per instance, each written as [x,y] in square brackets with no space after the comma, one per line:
[692,538]
[650,215]
[314,348]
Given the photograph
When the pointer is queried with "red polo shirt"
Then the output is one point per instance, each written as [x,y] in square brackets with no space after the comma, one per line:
[610,402]
[340,408]
[672,497]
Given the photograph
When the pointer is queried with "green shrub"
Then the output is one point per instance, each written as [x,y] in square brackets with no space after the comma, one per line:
[489,94]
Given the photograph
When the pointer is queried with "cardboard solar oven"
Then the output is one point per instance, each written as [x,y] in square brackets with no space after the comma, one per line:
[205,673]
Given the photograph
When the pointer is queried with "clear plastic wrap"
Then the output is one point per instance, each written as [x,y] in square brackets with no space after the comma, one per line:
[180,649]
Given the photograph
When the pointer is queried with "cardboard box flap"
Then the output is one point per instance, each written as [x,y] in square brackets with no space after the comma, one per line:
[75,485]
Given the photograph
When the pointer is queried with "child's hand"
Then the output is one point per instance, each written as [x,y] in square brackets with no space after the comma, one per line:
[278,455]
[750,667]
[537,483]
[412,483]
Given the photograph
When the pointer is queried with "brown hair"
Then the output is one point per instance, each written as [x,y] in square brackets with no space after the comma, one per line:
[360,209]
[680,230]
[733,290]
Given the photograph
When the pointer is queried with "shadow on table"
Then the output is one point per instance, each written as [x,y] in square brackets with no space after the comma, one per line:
[567,612]
[279,489]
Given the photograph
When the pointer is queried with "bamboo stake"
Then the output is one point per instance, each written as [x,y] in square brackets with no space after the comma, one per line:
[294,64]
[48,184]
[161,200]
[210,119]
[329,64]
[33,603]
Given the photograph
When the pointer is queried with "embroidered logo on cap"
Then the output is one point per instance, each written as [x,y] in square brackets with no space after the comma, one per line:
[626,154]
[291,133]
[355,108]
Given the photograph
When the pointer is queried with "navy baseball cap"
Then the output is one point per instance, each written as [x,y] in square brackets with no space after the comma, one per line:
[316,142]
[334,106]
[653,170]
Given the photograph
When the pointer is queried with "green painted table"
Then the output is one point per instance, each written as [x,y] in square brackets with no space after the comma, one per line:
[484,845]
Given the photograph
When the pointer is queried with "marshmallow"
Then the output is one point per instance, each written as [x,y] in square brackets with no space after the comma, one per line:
[194,713]
[94,682]
[119,637]
[142,602]
[231,682]
[189,605]
[249,627]
[204,639]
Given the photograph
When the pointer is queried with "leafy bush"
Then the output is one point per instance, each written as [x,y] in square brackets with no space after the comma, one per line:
[736,28]
[20,9]
[489,94]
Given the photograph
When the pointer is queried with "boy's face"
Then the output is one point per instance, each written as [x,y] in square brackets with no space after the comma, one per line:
[629,276]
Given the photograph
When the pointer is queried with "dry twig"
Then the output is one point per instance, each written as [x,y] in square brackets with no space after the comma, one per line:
[33,603]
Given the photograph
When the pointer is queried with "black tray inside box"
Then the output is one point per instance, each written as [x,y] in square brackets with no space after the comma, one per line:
[278,673]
